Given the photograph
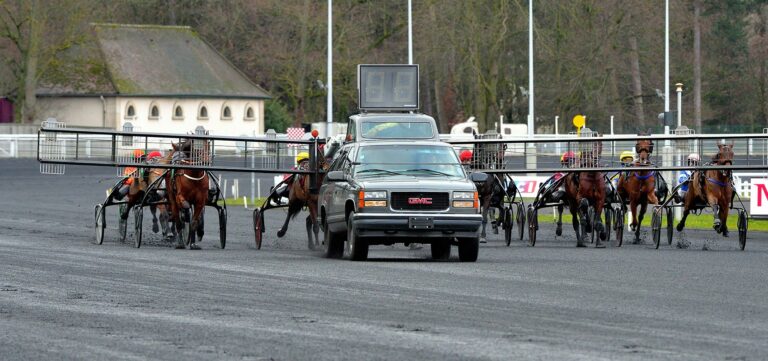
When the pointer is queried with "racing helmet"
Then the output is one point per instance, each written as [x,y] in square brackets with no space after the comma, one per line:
[465,156]
[693,159]
[138,153]
[626,154]
[302,157]
[154,154]
[567,157]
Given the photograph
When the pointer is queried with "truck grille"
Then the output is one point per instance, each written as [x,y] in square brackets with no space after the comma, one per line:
[419,201]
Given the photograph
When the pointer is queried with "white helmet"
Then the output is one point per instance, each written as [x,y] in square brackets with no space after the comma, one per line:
[693,157]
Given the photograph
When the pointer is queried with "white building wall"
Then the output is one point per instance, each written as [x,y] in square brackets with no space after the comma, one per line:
[78,112]
[167,123]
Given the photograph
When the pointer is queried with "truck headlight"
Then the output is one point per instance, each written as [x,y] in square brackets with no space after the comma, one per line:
[372,199]
[375,195]
[464,195]
[465,200]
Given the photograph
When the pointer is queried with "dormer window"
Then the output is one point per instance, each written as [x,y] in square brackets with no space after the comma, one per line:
[130,111]
[202,112]
[154,112]
[178,113]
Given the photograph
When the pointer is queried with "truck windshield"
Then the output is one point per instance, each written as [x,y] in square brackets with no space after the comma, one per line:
[396,130]
[406,159]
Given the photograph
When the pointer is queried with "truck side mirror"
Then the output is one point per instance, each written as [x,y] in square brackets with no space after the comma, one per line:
[478,177]
[336,176]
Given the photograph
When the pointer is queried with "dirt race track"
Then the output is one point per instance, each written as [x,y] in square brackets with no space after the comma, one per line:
[62,297]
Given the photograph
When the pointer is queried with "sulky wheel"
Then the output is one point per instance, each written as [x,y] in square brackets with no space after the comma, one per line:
[656,227]
[532,225]
[122,224]
[591,218]
[258,227]
[222,227]
[670,226]
[99,223]
[138,217]
[508,226]
[618,222]
[520,220]
[607,225]
[742,226]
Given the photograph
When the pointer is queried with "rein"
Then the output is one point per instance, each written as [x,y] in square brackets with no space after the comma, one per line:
[193,178]
[643,177]
[717,182]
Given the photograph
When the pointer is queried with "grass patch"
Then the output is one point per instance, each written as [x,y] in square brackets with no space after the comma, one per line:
[239,202]
[703,221]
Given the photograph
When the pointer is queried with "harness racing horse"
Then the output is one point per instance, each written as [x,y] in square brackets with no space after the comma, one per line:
[188,190]
[143,178]
[639,187]
[713,188]
[300,196]
[491,193]
[584,190]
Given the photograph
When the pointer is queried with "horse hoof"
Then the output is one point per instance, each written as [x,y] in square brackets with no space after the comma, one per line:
[559,231]
[194,246]
[280,234]
[155,227]
[580,245]
[311,246]
[483,240]
[599,245]
[180,246]
[680,227]
[495,231]
[725,234]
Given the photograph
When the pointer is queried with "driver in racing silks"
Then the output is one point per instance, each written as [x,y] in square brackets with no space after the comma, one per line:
[302,163]
[132,174]
[692,161]
[565,162]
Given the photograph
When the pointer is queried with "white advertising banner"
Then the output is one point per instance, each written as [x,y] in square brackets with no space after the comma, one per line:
[529,186]
[758,202]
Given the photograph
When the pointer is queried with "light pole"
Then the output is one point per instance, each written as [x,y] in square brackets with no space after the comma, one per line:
[679,104]
[329,80]
[530,69]
[410,34]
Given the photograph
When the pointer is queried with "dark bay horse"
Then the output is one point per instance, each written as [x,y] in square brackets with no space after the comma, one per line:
[639,187]
[188,189]
[713,188]
[584,190]
[300,196]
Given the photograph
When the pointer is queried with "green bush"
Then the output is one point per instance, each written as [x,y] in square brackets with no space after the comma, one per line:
[276,116]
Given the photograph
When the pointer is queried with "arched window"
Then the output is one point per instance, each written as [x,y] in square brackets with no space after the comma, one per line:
[249,113]
[154,112]
[202,112]
[130,111]
[226,113]
[178,112]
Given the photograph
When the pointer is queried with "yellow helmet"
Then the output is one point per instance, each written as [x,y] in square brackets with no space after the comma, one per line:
[302,157]
[626,154]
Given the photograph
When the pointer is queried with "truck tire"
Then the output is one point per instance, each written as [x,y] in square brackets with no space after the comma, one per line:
[441,250]
[333,243]
[468,249]
[357,248]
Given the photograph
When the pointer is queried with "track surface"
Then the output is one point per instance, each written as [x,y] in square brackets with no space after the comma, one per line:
[62,297]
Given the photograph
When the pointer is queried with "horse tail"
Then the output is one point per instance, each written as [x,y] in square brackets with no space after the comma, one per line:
[294,208]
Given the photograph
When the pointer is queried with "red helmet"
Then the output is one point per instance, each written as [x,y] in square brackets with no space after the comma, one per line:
[567,156]
[154,154]
[465,156]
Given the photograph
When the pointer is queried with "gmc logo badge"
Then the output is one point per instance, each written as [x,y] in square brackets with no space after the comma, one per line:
[414,201]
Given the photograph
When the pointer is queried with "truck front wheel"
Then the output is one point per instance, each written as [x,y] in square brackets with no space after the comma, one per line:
[468,249]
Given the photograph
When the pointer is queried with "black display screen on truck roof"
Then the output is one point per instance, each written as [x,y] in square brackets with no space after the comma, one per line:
[388,87]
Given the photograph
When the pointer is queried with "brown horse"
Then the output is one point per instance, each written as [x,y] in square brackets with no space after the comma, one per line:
[713,188]
[584,190]
[142,179]
[188,190]
[300,196]
[639,187]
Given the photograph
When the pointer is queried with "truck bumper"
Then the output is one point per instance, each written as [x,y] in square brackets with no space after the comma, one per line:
[419,225]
